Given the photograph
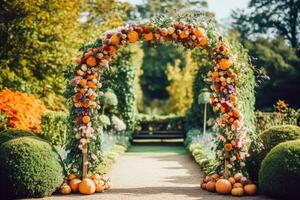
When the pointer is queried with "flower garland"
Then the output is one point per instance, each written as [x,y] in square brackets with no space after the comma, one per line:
[87,78]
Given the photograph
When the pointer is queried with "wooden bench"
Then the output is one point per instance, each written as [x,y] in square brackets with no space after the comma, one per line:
[166,134]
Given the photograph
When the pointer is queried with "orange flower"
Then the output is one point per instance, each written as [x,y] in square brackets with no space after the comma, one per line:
[228,147]
[86,119]
[115,40]
[199,33]
[82,82]
[148,36]
[91,61]
[232,98]
[224,63]
[24,111]
[133,36]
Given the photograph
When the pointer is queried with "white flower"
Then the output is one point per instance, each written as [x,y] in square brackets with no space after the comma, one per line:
[242,164]
[229,166]
[83,67]
[118,124]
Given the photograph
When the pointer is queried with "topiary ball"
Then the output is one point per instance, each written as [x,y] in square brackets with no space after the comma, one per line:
[269,138]
[29,167]
[279,175]
[9,134]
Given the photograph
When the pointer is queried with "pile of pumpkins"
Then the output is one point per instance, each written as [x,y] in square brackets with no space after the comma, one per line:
[236,186]
[94,183]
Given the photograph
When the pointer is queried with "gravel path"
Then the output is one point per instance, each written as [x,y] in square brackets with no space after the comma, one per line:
[151,176]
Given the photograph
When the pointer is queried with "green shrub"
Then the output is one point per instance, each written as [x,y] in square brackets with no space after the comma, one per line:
[9,134]
[279,175]
[29,167]
[269,138]
[54,127]
[3,121]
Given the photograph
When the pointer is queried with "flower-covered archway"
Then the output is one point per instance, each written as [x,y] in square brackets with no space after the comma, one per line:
[85,87]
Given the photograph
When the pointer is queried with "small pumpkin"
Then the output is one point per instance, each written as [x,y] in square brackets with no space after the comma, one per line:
[237,192]
[223,186]
[231,180]
[74,184]
[65,189]
[96,176]
[237,185]
[211,186]
[99,187]
[250,189]
[238,176]
[71,177]
[203,186]
[108,185]
[87,186]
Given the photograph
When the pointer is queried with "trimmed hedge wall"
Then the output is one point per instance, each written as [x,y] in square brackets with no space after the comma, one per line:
[279,175]
[269,138]
[10,134]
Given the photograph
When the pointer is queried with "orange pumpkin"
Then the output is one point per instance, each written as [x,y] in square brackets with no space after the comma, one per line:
[223,186]
[237,192]
[65,189]
[211,186]
[71,177]
[74,184]
[91,61]
[99,187]
[96,176]
[148,36]
[114,40]
[87,186]
[238,185]
[224,63]
[238,176]
[86,119]
[231,180]
[203,186]
[250,189]
[133,36]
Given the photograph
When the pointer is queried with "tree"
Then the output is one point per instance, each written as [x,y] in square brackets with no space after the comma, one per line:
[280,62]
[279,17]
[181,84]
[154,80]
[40,38]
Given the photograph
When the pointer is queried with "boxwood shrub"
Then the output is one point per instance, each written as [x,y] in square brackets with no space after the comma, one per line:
[9,134]
[279,175]
[269,138]
[29,167]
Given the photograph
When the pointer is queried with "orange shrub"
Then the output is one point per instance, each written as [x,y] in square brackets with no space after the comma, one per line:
[24,111]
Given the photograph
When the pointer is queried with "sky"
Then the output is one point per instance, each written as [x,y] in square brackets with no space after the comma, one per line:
[221,8]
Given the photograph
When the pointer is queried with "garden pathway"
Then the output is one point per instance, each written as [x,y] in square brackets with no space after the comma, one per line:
[154,173]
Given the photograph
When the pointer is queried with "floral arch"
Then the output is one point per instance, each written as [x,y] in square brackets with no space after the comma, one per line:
[224,77]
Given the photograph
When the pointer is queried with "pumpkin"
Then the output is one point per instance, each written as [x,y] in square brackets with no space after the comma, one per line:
[214,176]
[238,192]
[107,185]
[114,40]
[87,186]
[148,36]
[231,180]
[99,187]
[203,186]
[74,184]
[86,119]
[71,177]
[65,189]
[223,186]
[211,186]
[91,61]
[133,36]
[237,185]
[96,176]
[250,189]
[238,176]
